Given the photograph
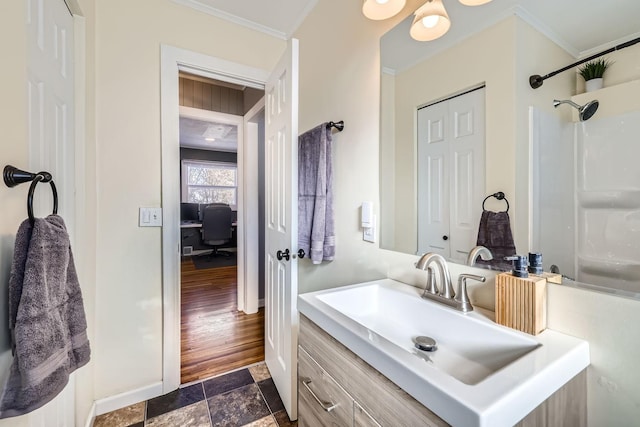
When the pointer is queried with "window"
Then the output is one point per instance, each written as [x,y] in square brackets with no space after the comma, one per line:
[209,182]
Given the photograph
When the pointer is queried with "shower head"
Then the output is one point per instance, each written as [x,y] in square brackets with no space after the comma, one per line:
[585,112]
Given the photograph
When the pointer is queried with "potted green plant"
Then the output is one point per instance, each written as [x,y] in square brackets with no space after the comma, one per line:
[593,71]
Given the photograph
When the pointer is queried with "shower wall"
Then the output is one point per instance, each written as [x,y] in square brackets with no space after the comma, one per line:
[587,193]
[608,190]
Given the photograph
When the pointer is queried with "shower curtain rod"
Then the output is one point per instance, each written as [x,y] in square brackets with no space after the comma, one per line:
[536,80]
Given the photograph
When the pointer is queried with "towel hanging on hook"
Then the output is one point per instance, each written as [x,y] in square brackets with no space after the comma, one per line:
[13,176]
[500,196]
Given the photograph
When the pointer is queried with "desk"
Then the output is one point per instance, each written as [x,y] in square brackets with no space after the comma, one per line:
[191,238]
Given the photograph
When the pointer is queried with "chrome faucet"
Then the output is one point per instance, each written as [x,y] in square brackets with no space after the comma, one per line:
[445,294]
[446,289]
[478,251]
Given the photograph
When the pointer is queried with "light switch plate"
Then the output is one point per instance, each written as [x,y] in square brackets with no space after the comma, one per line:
[150,217]
[369,234]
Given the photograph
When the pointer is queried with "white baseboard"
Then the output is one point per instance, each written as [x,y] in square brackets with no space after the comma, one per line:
[261,302]
[111,403]
[91,416]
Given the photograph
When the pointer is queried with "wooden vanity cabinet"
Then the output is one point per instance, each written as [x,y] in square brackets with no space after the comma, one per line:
[363,397]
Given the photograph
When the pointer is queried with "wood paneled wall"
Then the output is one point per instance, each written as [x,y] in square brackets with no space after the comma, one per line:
[205,96]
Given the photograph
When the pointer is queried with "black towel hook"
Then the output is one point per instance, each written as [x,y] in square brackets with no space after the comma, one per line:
[500,196]
[13,176]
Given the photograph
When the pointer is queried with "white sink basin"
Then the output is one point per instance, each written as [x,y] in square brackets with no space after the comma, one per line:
[482,374]
[468,349]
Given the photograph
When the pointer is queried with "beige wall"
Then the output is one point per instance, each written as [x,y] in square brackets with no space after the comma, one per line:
[13,150]
[340,80]
[128,292]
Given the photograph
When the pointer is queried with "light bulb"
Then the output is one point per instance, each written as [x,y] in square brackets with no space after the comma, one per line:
[210,139]
[382,1]
[430,21]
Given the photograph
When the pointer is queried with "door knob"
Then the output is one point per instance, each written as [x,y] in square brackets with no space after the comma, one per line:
[301,253]
[284,255]
[445,237]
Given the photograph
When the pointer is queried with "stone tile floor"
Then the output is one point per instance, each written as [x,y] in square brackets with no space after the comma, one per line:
[243,398]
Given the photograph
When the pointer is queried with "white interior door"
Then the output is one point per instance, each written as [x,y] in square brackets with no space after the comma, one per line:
[467,171]
[281,228]
[51,83]
[451,171]
[433,179]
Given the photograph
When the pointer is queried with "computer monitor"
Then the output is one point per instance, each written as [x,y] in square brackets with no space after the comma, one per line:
[189,212]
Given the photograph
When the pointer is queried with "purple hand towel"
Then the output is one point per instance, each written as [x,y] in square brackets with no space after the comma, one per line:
[316,229]
[46,317]
[494,233]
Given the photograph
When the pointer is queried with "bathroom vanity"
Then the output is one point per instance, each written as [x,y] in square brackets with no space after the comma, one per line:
[358,365]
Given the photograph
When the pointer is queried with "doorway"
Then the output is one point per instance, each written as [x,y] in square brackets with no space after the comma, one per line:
[221,327]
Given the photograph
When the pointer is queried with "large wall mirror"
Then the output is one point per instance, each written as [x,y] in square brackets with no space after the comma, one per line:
[496,47]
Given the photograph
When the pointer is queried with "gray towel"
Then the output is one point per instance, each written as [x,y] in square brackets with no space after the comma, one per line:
[46,317]
[316,229]
[494,233]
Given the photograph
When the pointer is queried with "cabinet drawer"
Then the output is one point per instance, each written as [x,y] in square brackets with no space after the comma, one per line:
[321,401]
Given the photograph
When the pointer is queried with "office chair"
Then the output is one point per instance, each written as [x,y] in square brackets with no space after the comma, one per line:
[216,227]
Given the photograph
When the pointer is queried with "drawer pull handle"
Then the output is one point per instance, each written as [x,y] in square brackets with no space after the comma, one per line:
[327,406]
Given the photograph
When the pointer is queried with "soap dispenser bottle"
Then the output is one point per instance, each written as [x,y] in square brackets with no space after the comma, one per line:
[519,265]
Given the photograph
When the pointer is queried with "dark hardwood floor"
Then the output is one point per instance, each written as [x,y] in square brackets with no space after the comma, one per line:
[215,336]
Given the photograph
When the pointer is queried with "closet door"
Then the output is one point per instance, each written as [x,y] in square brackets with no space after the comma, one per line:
[433,179]
[467,171]
[451,174]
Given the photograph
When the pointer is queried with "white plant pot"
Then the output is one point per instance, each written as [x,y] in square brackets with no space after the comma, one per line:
[593,84]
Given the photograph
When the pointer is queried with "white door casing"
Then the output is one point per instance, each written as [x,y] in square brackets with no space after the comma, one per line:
[51,129]
[281,228]
[174,60]
[251,181]
[451,174]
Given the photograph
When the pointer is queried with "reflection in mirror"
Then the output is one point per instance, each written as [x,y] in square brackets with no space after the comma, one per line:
[499,46]
[593,237]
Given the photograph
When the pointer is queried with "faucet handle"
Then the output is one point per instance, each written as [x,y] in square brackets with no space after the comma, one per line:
[462,297]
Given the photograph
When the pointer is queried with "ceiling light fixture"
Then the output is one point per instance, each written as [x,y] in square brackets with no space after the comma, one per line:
[474,2]
[382,9]
[431,21]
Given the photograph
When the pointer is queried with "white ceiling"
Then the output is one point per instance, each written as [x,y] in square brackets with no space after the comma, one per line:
[579,26]
[193,134]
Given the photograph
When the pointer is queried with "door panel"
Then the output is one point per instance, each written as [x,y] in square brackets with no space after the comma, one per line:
[281,165]
[468,174]
[50,118]
[451,170]
[433,185]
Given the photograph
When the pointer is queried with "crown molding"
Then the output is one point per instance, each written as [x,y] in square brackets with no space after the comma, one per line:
[544,29]
[201,7]
[605,46]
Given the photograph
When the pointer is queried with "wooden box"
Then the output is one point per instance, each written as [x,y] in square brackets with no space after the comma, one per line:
[521,303]
[551,277]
